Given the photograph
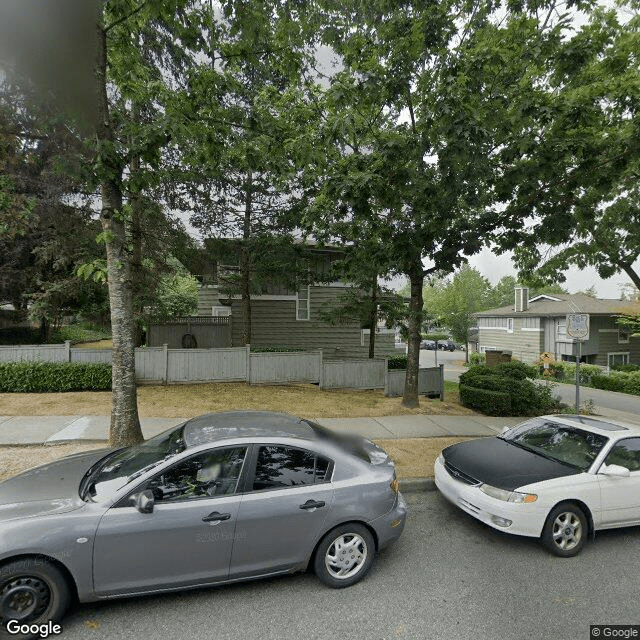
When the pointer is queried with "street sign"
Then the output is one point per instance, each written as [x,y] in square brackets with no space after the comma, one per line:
[578,326]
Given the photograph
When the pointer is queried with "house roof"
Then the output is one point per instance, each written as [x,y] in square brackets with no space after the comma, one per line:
[559,304]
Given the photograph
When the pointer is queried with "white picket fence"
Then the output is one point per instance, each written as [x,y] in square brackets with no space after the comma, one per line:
[239,364]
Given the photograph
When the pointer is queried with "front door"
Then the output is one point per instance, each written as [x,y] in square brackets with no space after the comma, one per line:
[283,513]
[621,496]
[186,539]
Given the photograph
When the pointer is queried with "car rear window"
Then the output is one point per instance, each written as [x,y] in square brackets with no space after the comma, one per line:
[352,445]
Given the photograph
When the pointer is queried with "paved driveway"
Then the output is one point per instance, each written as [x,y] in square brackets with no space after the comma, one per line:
[449,577]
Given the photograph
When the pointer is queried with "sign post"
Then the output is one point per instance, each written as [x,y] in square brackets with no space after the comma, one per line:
[578,329]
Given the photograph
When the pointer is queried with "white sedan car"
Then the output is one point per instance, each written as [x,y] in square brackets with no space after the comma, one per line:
[557,478]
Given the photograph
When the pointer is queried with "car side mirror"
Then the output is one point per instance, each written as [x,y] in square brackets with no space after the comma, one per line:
[143,501]
[614,470]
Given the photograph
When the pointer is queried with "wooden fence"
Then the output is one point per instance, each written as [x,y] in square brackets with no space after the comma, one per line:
[239,364]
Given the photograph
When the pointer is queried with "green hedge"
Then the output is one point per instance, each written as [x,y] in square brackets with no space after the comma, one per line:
[398,362]
[40,377]
[525,396]
[626,368]
[608,383]
[491,403]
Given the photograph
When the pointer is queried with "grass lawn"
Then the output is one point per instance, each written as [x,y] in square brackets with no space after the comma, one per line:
[194,399]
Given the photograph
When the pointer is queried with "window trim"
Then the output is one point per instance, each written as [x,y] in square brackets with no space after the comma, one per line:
[251,472]
[627,333]
[308,304]
[626,355]
[510,324]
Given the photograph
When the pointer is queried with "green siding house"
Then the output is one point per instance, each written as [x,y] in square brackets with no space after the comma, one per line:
[533,326]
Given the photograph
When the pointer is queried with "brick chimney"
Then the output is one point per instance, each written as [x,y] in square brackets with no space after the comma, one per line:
[522,299]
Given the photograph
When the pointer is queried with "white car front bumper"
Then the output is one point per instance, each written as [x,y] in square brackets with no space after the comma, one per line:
[527,519]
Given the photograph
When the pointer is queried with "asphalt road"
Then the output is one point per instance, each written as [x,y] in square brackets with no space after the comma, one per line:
[448,577]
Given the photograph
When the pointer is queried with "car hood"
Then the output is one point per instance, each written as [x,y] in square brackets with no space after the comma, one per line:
[47,489]
[500,464]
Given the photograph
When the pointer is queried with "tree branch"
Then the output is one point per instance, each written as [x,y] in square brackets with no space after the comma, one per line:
[124,18]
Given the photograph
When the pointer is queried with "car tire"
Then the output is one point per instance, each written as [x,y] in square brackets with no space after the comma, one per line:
[35,589]
[344,556]
[565,530]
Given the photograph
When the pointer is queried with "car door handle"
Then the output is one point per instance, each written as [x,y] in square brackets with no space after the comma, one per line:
[216,517]
[312,504]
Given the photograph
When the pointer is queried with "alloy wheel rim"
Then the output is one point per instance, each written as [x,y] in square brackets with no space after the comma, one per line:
[567,531]
[346,556]
[24,599]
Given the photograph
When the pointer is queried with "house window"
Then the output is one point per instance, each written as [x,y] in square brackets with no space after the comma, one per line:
[302,303]
[617,358]
[623,336]
[510,325]
[561,331]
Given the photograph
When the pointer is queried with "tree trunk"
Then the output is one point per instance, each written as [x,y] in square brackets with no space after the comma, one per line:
[125,424]
[410,396]
[245,263]
[373,317]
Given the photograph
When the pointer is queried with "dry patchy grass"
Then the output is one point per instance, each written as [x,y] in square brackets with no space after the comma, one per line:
[414,457]
[194,399]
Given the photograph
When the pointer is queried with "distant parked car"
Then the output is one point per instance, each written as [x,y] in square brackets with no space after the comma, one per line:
[428,344]
[220,498]
[446,345]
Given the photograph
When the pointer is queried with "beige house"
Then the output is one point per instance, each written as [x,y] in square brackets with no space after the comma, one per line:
[533,326]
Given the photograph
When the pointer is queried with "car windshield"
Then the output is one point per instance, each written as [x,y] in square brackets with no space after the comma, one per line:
[121,466]
[559,442]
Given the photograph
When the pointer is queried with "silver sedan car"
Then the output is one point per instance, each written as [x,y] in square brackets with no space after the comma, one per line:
[221,498]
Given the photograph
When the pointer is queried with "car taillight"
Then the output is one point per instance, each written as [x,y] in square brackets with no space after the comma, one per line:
[395,485]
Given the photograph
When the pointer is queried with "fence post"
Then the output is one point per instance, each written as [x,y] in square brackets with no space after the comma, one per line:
[386,376]
[321,378]
[165,350]
[441,382]
[248,348]
[67,346]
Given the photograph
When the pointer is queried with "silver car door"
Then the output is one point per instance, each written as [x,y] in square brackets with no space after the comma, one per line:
[283,511]
[186,539]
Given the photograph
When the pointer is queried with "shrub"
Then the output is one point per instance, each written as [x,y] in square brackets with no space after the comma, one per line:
[40,377]
[626,368]
[525,396]
[516,369]
[492,403]
[477,358]
[586,372]
[632,383]
[608,383]
[397,362]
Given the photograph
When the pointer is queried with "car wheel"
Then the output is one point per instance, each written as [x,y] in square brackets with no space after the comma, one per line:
[565,530]
[344,556]
[32,592]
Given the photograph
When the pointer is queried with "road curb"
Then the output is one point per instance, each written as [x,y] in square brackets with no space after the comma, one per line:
[417,485]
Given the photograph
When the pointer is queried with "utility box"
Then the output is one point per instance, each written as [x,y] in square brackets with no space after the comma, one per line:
[496,356]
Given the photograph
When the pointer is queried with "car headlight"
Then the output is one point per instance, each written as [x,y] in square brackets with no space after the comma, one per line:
[507,496]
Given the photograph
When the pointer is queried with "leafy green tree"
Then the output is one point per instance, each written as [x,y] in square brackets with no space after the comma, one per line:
[576,180]
[441,86]
[454,301]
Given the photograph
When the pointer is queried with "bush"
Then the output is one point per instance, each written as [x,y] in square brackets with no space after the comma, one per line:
[516,369]
[477,358]
[586,372]
[40,377]
[397,362]
[626,368]
[632,383]
[492,403]
[525,396]
[608,383]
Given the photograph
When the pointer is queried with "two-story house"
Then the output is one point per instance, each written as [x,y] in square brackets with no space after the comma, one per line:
[534,326]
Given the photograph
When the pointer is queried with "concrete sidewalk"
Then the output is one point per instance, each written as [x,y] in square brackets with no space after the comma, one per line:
[19,430]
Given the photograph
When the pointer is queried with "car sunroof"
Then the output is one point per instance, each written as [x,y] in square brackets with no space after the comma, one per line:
[598,424]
